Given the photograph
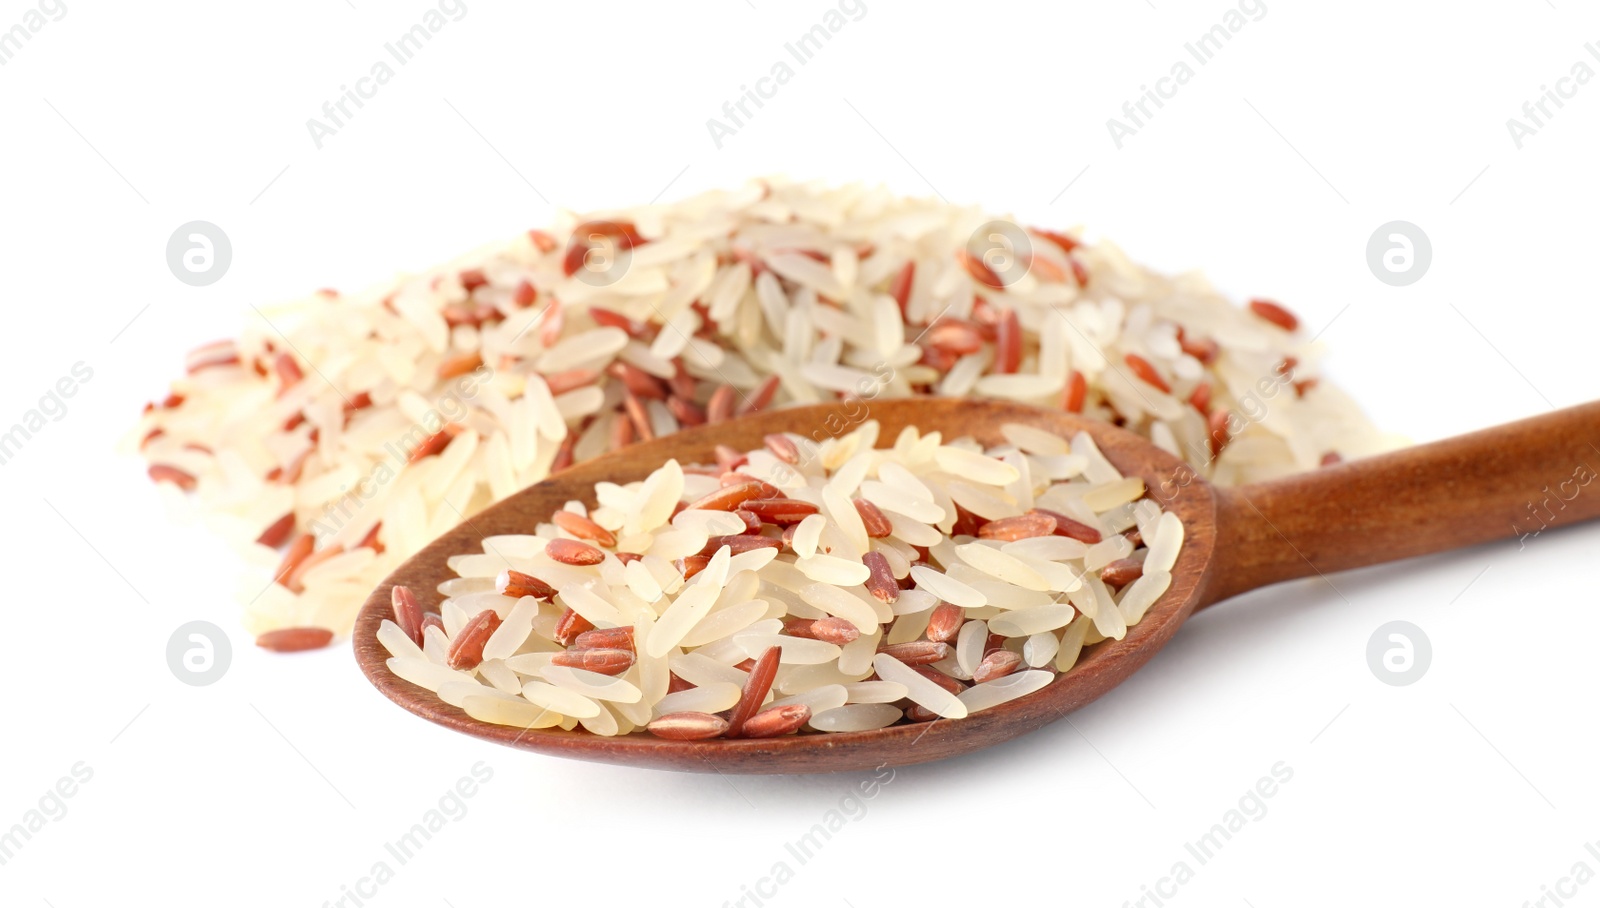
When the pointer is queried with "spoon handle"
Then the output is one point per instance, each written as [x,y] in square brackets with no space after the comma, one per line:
[1510,482]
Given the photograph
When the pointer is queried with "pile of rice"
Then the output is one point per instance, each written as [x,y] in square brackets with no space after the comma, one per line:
[834,586]
[340,433]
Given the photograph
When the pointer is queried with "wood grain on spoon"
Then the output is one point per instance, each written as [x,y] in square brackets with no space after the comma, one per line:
[1426,499]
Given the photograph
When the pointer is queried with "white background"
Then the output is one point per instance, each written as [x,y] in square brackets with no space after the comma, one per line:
[280,784]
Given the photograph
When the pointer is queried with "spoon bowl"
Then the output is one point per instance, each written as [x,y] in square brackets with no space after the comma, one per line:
[1416,501]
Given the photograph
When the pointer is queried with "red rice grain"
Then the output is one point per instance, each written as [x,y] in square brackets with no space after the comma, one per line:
[688,726]
[466,651]
[407,613]
[295,639]
[755,690]
[779,720]
[1275,313]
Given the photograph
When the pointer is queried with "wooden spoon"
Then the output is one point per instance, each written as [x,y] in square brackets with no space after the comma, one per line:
[1506,482]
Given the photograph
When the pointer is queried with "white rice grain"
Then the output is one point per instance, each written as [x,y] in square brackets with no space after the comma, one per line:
[794,650]
[831,569]
[710,698]
[1023,622]
[680,617]
[874,691]
[919,690]
[943,587]
[593,685]
[989,694]
[1142,594]
[855,717]
[1164,547]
